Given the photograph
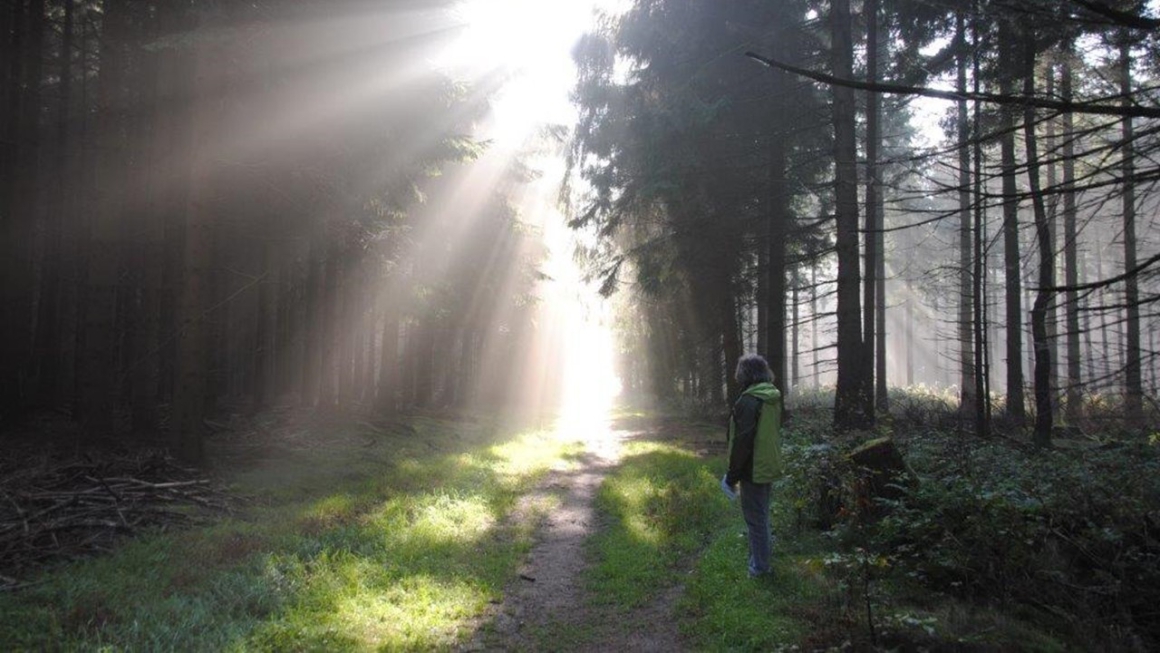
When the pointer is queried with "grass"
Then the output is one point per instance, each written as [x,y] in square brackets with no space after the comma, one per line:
[666,524]
[362,538]
[669,524]
[660,506]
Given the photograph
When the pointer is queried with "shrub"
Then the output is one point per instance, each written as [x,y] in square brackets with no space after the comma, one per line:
[1066,531]
[1074,534]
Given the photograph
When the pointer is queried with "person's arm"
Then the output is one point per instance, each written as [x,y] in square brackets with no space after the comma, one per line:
[745,416]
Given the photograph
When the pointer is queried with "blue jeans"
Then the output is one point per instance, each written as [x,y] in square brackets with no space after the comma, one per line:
[755,508]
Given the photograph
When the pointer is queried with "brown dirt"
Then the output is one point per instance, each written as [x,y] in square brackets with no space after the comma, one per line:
[546,607]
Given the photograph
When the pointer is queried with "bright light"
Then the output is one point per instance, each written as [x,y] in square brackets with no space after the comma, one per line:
[529,42]
[575,348]
[590,385]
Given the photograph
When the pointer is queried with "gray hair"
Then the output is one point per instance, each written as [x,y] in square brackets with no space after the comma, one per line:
[751,369]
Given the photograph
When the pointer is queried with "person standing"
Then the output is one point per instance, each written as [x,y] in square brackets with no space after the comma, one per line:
[755,454]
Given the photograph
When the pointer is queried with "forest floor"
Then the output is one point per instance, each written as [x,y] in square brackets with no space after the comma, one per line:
[430,532]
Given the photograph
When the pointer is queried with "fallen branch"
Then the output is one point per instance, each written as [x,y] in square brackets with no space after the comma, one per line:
[55,512]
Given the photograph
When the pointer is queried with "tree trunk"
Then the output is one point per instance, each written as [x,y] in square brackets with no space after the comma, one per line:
[312,342]
[420,350]
[1014,291]
[148,244]
[1052,204]
[795,338]
[872,284]
[778,221]
[814,323]
[1133,384]
[763,297]
[731,341]
[364,347]
[264,328]
[967,390]
[850,398]
[344,328]
[329,303]
[20,215]
[1074,400]
[389,358]
[290,358]
[173,147]
[1043,296]
[193,338]
[48,359]
[101,279]
[979,274]
[11,60]
[82,231]
[909,331]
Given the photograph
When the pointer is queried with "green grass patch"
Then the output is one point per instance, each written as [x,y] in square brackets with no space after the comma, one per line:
[360,539]
[668,523]
[660,506]
[724,610]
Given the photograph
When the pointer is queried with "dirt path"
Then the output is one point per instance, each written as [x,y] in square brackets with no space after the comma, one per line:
[547,607]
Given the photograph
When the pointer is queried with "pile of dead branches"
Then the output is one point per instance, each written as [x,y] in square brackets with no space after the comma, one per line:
[52,509]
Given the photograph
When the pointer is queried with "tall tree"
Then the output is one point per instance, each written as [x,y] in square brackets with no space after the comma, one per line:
[1044,295]
[48,360]
[777,226]
[105,232]
[22,202]
[1133,384]
[967,389]
[192,386]
[979,271]
[853,408]
[874,315]
[1011,261]
[1074,398]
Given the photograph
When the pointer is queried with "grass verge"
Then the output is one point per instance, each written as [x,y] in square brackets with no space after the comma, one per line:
[359,538]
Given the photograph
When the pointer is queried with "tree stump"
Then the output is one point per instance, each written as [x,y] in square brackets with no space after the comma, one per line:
[881,473]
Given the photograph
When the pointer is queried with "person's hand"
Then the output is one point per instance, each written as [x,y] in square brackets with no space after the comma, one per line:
[730,489]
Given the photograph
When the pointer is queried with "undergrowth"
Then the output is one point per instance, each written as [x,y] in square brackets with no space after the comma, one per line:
[998,544]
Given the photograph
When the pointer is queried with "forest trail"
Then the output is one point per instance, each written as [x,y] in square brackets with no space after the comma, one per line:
[547,604]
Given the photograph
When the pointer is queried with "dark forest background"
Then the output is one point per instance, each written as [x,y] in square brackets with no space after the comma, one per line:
[229,204]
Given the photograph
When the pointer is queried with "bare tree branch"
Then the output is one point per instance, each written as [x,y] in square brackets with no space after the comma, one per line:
[1123,18]
[1103,283]
[991,98]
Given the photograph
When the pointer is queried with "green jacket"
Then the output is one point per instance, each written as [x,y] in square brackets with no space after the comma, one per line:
[755,436]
